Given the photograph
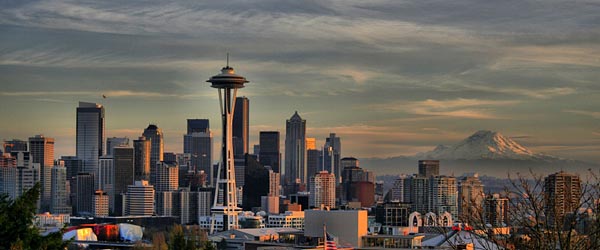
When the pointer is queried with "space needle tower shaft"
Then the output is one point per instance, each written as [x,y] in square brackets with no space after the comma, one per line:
[227,82]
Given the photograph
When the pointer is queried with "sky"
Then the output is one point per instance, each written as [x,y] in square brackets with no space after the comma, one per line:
[389,77]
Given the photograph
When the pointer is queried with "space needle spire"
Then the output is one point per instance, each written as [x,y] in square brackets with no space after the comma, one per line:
[227,82]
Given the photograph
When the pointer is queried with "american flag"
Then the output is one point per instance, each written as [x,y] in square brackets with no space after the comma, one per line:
[330,242]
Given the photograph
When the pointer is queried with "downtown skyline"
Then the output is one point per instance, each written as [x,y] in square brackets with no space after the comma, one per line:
[389,78]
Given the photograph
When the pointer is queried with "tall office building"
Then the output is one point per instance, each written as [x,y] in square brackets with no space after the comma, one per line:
[114,142]
[311,143]
[444,196]
[105,178]
[314,161]
[167,177]
[357,184]
[496,210]
[85,193]
[295,150]
[141,156]
[140,199]
[198,126]
[59,194]
[90,135]
[270,154]
[73,165]
[100,208]
[198,144]
[274,183]
[123,165]
[322,190]
[429,168]
[241,126]
[562,194]
[15,145]
[42,151]
[332,151]
[470,197]
[155,135]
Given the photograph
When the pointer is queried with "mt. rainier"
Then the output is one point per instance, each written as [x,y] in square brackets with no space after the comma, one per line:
[484,144]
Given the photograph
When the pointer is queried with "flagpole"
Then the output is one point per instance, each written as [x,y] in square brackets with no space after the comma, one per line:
[324,236]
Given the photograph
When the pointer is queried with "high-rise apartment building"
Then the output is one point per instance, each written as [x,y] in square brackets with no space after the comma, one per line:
[295,150]
[496,210]
[429,168]
[562,194]
[155,135]
[270,154]
[357,183]
[322,190]
[418,189]
[444,195]
[332,151]
[90,135]
[470,197]
[141,155]
[241,126]
[42,151]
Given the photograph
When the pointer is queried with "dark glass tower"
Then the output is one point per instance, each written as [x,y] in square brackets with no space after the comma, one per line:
[295,150]
[90,135]
[241,125]
[270,154]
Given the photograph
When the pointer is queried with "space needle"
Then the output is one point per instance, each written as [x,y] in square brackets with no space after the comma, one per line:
[227,82]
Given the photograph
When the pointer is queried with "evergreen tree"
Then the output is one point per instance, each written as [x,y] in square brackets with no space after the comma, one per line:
[16,224]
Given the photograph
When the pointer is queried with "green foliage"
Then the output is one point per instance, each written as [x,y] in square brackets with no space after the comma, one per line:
[16,224]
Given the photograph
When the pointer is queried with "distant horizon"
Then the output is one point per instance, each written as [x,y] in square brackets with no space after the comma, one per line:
[390,78]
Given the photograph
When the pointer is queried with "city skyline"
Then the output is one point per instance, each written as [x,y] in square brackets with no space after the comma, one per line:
[373,73]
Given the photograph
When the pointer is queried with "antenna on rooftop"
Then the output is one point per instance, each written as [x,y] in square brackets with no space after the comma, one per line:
[227,59]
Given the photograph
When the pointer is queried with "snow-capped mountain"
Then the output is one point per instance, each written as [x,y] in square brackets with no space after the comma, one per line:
[485,152]
[484,144]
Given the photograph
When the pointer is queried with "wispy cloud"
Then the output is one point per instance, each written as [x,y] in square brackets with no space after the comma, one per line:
[593,114]
[456,108]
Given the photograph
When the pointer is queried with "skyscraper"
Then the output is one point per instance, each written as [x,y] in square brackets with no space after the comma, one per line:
[314,161]
[59,194]
[123,165]
[140,199]
[332,151]
[90,135]
[429,168]
[270,154]
[322,190]
[198,126]
[198,143]
[114,142]
[470,197]
[15,145]
[141,148]
[295,150]
[167,177]
[42,152]
[85,193]
[562,194]
[241,126]
[155,135]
